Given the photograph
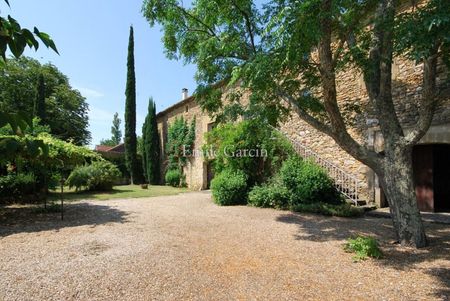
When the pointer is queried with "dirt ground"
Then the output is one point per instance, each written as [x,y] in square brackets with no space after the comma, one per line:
[186,248]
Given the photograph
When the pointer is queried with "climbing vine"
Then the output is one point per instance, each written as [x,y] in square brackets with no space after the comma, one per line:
[180,143]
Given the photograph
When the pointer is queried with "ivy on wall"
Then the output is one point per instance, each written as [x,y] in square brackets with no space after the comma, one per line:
[180,144]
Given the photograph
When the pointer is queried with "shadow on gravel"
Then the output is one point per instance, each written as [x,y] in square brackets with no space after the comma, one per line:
[29,219]
[321,229]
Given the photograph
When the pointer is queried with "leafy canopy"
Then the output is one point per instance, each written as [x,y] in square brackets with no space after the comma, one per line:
[66,110]
[45,149]
[15,38]
[270,49]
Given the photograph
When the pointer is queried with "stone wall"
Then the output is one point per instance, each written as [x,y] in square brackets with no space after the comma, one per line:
[195,170]
[407,93]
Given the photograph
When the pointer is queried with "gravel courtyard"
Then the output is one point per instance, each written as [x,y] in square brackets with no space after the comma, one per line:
[186,248]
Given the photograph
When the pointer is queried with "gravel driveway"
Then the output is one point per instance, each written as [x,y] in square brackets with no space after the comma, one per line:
[186,248]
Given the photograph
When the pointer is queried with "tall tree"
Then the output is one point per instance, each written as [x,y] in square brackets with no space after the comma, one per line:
[151,147]
[66,110]
[288,53]
[39,105]
[115,129]
[15,38]
[130,115]
[116,133]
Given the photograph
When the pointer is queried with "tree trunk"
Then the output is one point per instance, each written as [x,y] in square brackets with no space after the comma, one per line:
[398,186]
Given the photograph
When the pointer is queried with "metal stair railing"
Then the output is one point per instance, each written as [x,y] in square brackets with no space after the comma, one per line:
[346,183]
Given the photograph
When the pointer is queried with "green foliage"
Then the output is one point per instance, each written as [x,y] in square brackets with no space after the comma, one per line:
[341,210]
[249,146]
[290,173]
[39,105]
[66,154]
[151,146]
[420,33]
[303,187]
[130,116]
[79,177]
[115,129]
[266,47]
[45,150]
[16,186]
[308,183]
[24,147]
[364,247]
[34,128]
[38,128]
[103,175]
[98,176]
[15,38]
[119,161]
[229,188]
[116,133]
[66,110]
[174,178]
[270,195]
[46,157]
[108,142]
[180,143]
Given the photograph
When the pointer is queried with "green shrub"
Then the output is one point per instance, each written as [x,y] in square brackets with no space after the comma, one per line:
[78,178]
[308,183]
[229,188]
[342,210]
[103,174]
[271,195]
[174,177]
[16,186]
[99,176]
[290,173]
[363,247]
[249,146]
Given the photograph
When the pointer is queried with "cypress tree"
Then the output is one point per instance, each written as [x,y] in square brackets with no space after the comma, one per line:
[150,135]
[130,115]
[39,103]
[115,130]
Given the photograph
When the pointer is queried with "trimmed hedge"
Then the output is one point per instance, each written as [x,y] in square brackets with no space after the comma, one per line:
[229,188]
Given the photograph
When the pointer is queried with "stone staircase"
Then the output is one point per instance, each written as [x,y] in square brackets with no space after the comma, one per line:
[345,182]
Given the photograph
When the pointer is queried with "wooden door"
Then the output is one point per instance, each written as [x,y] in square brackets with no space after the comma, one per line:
[441,177]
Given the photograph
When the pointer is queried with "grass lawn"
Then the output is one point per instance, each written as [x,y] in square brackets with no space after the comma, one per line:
[119,192]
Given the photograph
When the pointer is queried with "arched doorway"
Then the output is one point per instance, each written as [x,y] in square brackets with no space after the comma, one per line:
[431,163]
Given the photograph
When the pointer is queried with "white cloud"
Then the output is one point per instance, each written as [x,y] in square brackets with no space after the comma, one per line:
[89,93]
[99,115]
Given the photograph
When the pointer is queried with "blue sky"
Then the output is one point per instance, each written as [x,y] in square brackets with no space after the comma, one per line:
[92,38]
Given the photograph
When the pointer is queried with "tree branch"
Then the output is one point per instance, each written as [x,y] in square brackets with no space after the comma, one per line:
[328,78]
[343,139]
[429,99]
[248,25]
[198,20]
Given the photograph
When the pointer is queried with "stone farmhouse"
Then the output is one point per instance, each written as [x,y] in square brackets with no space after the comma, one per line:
[431,157]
